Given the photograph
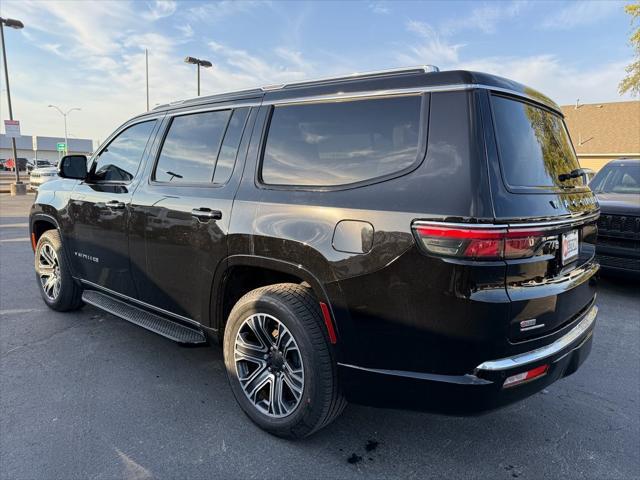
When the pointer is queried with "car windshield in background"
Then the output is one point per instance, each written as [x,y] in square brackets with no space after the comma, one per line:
[534,145]
[617,179]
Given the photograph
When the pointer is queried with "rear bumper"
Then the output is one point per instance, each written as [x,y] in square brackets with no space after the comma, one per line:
[476,392]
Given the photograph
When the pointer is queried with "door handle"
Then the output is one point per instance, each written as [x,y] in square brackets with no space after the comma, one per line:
[206,214]
[115,205]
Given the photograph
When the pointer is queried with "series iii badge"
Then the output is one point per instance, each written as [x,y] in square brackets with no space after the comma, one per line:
[530,324]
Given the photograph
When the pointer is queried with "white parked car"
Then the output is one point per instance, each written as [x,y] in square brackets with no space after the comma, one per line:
[41,175]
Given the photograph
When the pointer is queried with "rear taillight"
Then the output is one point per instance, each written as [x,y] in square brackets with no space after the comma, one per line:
[481,242]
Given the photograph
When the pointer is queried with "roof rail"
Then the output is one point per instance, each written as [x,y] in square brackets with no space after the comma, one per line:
[266,88]
[361,75]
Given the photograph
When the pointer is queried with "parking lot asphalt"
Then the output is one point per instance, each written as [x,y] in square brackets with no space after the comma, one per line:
[86,395]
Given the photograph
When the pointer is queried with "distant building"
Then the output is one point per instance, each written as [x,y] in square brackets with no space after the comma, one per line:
[603,131]
[42,148]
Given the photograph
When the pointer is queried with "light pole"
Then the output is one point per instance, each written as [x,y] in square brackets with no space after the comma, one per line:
[200,63]
[64,114]
[146,71]
[17,24]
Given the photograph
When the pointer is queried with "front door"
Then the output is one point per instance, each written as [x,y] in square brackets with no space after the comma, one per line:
[180,216]
[99,211]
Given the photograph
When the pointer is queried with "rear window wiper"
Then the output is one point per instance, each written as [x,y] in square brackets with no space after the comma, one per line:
[578,172]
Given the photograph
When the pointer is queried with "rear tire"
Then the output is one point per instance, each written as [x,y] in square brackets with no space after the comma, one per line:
[275,337]
[57,287]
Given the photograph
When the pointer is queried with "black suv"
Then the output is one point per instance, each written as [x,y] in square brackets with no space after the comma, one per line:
[617,187]
[408,238]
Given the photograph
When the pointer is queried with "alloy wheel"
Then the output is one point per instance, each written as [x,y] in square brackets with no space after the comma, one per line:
[49,271]
[269,365]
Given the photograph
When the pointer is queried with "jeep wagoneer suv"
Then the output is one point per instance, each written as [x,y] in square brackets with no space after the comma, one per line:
[407,238]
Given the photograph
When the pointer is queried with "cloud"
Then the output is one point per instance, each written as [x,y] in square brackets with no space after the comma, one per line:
[380,8]
[432,49]
[251,70]
[558,80]
[484,18]
[52,48]
[186,30]
[160,9]
[90,28]
[294,58]
[576,14]
[212,12]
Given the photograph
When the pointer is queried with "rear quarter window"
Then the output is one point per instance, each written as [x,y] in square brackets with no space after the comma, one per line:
[341,143]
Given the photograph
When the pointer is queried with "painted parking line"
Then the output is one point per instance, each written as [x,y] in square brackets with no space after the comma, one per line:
[22,239]
[14,225]
[17,311]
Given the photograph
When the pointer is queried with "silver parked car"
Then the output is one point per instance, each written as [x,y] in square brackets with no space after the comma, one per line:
[41,175]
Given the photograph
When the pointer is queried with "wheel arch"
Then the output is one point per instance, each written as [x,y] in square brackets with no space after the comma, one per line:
[240,274]
[40,223]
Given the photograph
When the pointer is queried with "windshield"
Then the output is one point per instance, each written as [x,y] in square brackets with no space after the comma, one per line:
[534,145]
[617,179]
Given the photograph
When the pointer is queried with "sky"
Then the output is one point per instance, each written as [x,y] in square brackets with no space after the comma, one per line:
[90,55]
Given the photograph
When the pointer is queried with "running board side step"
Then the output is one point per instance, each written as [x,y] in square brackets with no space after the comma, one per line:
[157,324]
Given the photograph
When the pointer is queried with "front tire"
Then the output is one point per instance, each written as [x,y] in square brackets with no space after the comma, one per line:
[279,361]
[57,287]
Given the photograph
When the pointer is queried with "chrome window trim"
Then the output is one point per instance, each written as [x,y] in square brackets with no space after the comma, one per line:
[140,302]
[544,225]
[350,96]
[542,353]
[209,107]
[407,91]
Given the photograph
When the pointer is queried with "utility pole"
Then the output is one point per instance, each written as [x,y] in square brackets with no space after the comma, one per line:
[146,61]
[17,24]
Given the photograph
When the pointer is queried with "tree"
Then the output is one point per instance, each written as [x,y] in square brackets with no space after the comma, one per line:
[631,83]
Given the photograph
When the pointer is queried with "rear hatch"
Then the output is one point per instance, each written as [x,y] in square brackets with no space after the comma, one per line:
[550,214]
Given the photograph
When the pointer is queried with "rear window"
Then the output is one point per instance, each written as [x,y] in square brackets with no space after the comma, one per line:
[534,145]
[338,143]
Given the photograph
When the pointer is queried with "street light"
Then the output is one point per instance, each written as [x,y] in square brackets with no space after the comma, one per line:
[199,63]
[17,24]
[64,114]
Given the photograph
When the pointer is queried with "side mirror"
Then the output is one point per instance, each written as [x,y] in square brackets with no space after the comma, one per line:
[73,166]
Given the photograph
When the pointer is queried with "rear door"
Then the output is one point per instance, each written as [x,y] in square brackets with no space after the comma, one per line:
[550,251]
[180,216]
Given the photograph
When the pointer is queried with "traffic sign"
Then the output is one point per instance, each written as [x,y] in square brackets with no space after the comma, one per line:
[12,128]
[62,147]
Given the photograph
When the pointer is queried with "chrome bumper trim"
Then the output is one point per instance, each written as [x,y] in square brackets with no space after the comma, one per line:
[543,352]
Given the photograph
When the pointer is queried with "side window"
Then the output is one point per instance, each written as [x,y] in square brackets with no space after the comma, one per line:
[119,161]
[230,145]
[191,147]
[338,143]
